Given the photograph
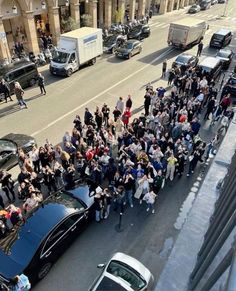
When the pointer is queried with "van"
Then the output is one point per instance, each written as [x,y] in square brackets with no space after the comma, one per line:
[24,72]
[205,4]
[221,38]
[211,67]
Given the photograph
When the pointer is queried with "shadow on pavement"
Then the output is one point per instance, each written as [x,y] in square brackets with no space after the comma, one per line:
[10,109]
[149,58]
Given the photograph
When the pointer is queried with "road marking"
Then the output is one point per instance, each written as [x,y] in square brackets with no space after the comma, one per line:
[164,54]
[153,24]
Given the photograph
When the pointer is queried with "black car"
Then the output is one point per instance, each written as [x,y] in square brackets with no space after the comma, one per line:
[226,56]
[185,60]
[111,42]
[131,47]
[35,243]
[230,88]
[9,145]
[194,9]
[139,32]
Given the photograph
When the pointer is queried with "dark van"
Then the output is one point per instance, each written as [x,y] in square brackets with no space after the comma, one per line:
[205,4]
[24,72]
[211,67]
[221,38]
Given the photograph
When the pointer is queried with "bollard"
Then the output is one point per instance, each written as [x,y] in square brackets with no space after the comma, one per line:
[119,227]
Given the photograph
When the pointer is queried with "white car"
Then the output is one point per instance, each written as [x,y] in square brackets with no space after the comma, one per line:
[123,273]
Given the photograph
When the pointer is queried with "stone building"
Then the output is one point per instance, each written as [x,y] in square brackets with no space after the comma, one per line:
[22,21]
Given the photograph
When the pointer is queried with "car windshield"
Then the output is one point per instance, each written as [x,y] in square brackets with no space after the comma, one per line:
[128,45]
[194,6]
[126,273]
[60,57]
[6,145]
[182,59]
[223,54]
[218,36]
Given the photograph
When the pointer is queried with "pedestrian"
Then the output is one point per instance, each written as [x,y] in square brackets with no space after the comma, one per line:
[105,112]
[7,185]
[41,83]
[107,202]
[164,68]
[19,92]
[5,89]
[126,116]
[210,108]
[171,163]
[129,102]
[128,185]
[98,204]
[120,105]
[119,198]
[225,102]
[147,102]
[150,197]
[1,202]
[199,50]
[21,283]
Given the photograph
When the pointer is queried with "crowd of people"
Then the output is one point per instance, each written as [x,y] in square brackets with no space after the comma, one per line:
[128,159]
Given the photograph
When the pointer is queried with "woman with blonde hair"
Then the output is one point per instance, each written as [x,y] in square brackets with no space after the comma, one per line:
[19,92]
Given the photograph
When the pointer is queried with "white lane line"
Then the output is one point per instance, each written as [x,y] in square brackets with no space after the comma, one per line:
[153,24]
[164,54]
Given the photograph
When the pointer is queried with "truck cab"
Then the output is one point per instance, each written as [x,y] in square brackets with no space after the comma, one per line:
[64,63]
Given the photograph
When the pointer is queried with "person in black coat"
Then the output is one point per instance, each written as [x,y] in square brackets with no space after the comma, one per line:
[7,185]
[147,103]
[1,202]
[41,83]
[210,107]
[5,89]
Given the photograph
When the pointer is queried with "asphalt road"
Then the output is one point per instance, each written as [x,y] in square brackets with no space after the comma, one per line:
[147,237]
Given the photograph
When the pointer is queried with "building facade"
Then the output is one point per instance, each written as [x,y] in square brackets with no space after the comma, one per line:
[24,21]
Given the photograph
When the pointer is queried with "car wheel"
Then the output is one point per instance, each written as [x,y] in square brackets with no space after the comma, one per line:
[113,50]
[69,72]
[44,270]
[32,82]
[129,55]
[93,61]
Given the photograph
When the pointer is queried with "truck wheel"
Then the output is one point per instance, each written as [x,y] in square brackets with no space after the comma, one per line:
[69,73]
[93,61]
[32,82]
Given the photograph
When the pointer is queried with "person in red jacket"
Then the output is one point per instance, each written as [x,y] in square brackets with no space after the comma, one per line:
[225,102]
[126,116]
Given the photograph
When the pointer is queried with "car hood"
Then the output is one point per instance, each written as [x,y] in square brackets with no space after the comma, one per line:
[123,50]
[20,139]
[82,193]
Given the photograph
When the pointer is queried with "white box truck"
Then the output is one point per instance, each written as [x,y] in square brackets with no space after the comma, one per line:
[77,47]
[186,32]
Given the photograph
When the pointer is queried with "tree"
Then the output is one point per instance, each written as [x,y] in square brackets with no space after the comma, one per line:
[68,24]
[86,20]
[119,15]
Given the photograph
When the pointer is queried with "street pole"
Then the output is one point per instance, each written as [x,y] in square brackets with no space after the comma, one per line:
[119,227]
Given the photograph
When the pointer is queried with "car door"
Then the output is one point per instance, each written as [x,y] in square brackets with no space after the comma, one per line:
[73,62]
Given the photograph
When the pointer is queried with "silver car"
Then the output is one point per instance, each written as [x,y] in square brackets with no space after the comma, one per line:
[123,273]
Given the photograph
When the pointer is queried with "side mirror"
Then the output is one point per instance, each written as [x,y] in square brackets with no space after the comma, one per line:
[100,266]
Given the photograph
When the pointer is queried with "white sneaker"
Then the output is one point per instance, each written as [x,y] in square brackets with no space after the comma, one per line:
[153,211]
[147,209]
[124,203]
[140,201]
[131,205]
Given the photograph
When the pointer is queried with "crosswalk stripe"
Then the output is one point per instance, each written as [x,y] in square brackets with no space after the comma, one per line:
[162,25]
[153,24]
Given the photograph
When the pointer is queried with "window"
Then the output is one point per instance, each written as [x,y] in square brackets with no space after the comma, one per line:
[126,273]
[72,58]
[29,69]
[18,73]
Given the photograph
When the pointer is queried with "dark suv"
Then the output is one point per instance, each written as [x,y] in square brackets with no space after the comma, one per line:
[230,87]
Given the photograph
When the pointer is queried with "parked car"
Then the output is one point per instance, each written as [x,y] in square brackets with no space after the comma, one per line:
[194,9]
[35,243]
[226,56]
[139,32]
[9,145]
[211,66]
[213,2]
[222,1]
[205,4]
[123,272]
[24,72]
[185,59]
[111,42]
[230,87]
[131,47]
[221,38]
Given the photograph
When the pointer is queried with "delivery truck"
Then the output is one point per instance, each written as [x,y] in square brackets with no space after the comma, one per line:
[76,48]
[186,32]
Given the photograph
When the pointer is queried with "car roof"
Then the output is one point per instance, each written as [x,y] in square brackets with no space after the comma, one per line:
[15,66]
[222,31]
[19,246]
[133,263]
[209,62]
[185,55]
[225,50]
[109,282]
